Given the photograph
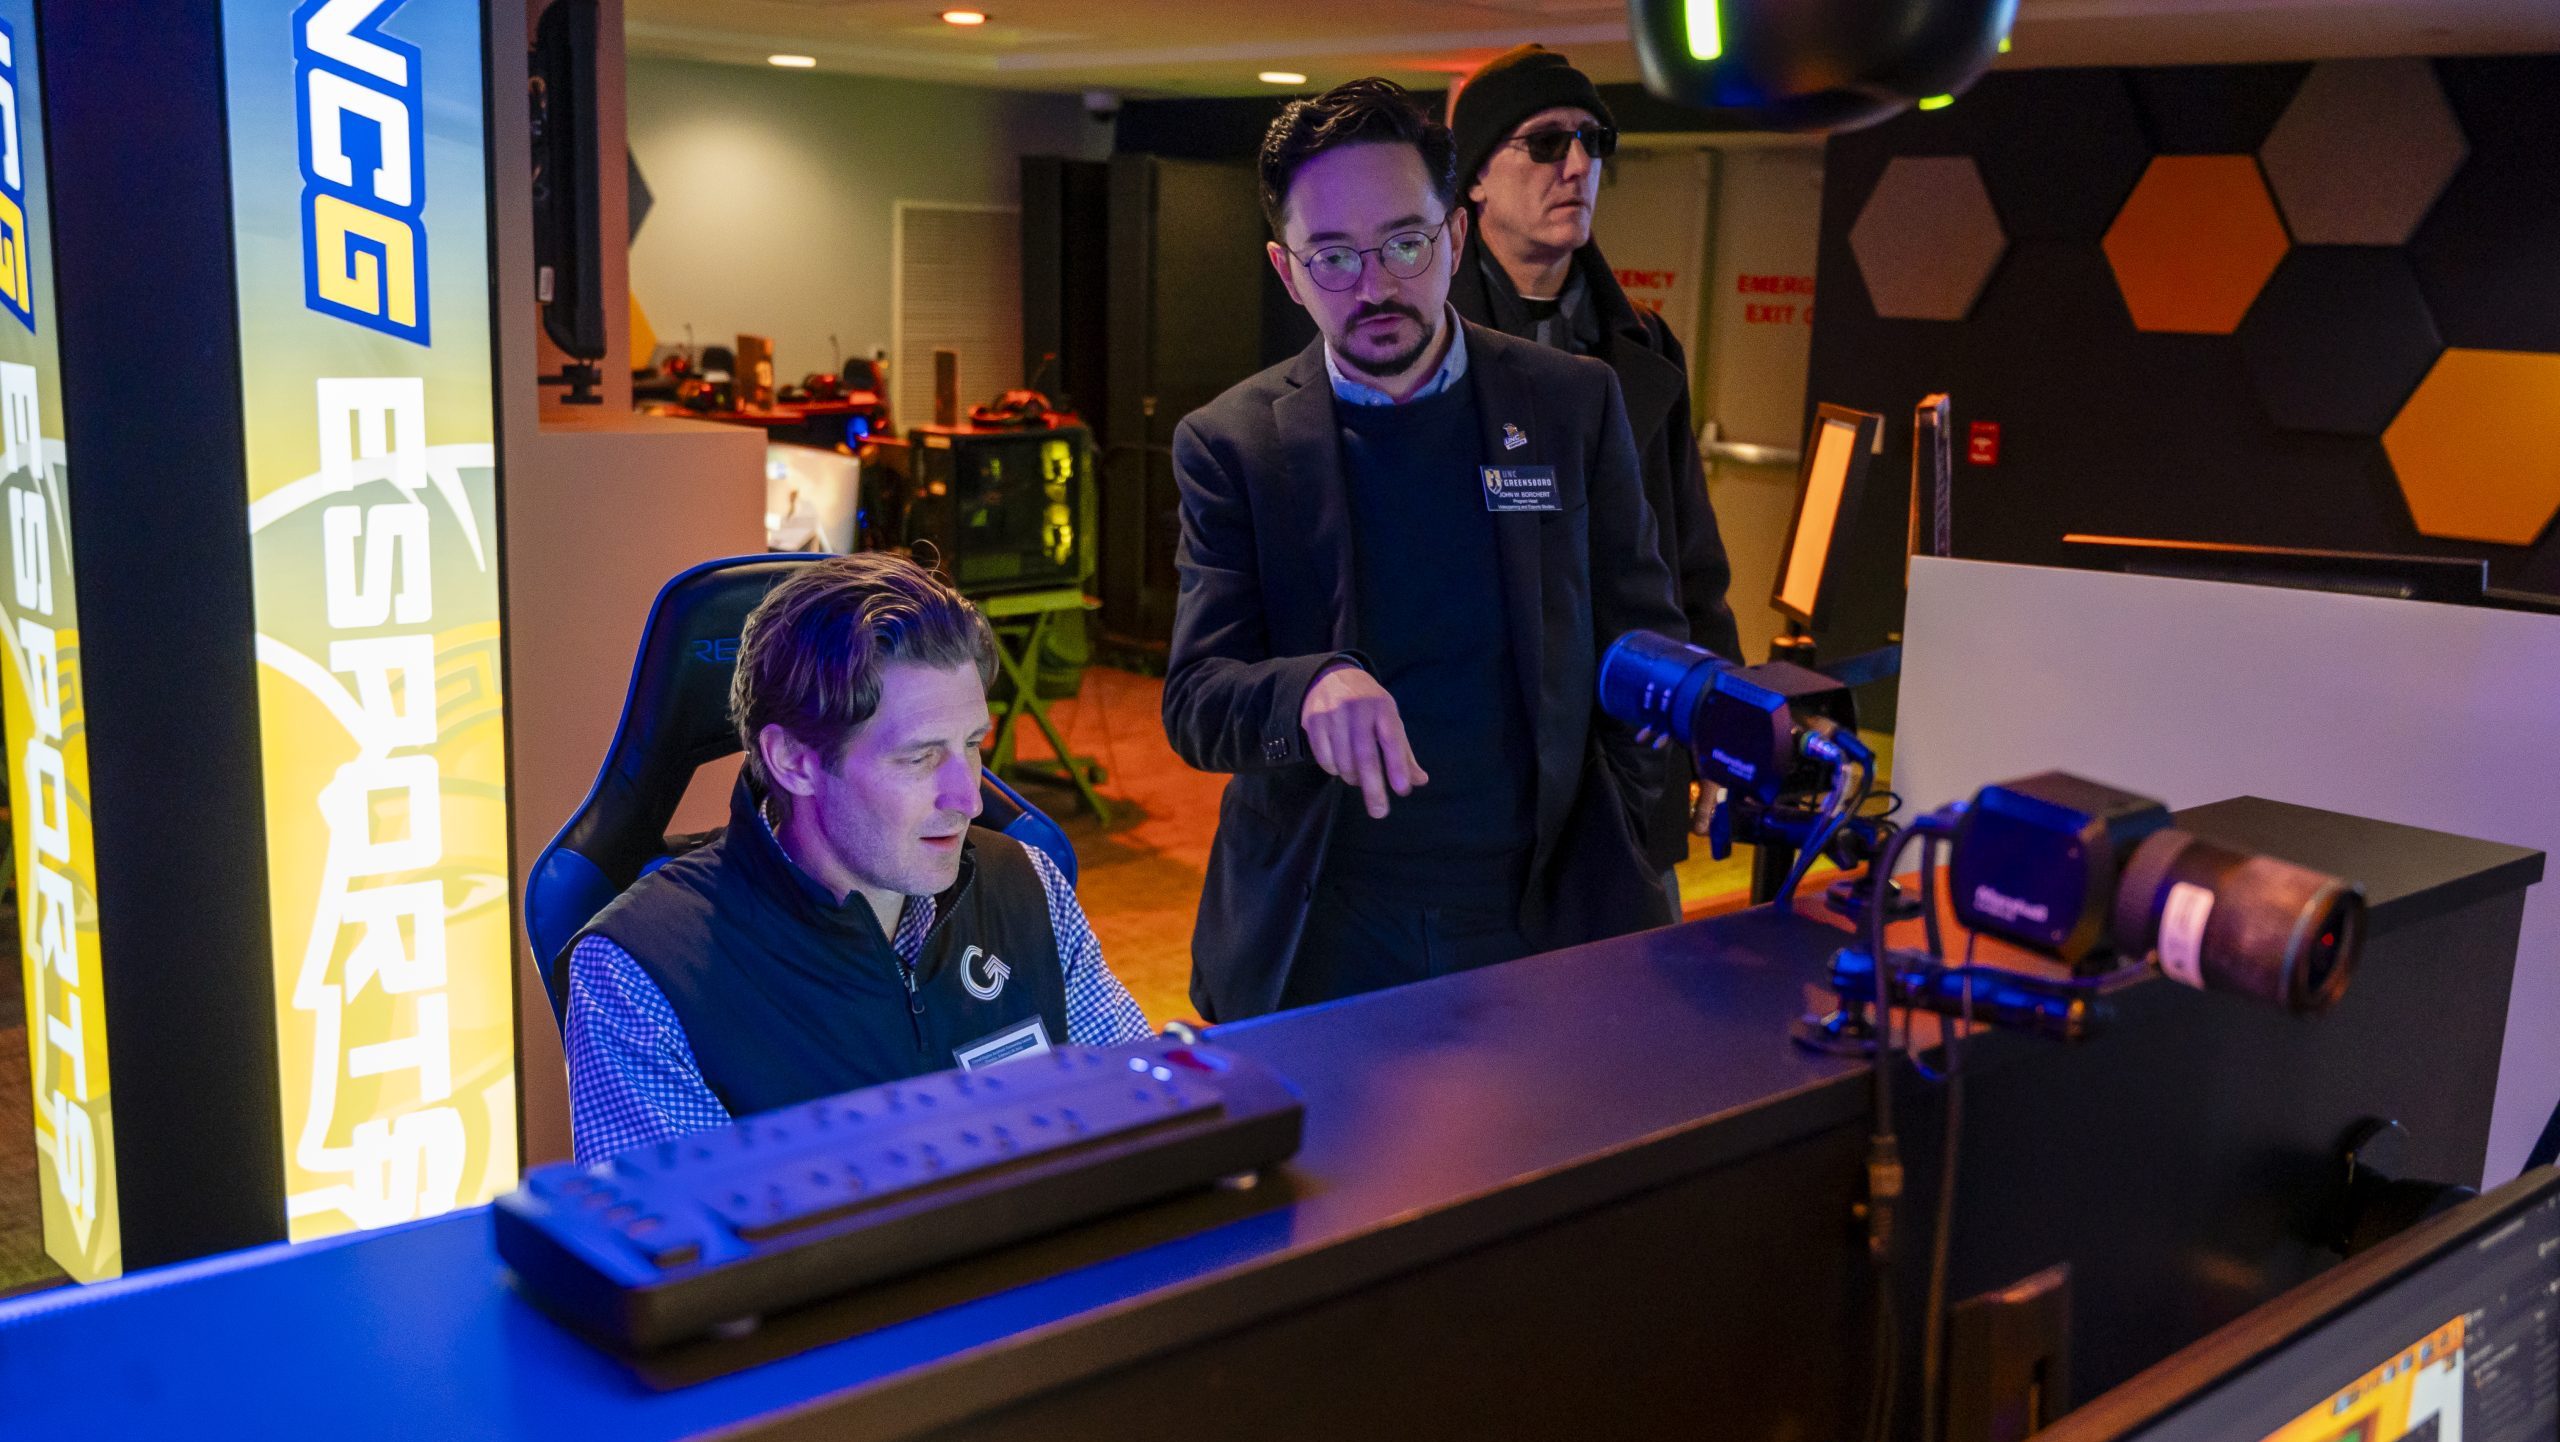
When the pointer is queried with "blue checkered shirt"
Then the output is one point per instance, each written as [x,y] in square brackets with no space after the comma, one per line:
[632,1076]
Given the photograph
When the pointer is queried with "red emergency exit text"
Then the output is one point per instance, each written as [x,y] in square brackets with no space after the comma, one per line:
[1776,312]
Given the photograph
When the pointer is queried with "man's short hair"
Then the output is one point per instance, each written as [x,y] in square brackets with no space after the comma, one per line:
[811,656]
[1370,111]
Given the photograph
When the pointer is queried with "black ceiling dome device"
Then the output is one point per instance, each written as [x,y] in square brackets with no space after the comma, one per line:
[1813,64]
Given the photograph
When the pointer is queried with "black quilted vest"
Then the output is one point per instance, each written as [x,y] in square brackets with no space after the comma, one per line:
[787,994]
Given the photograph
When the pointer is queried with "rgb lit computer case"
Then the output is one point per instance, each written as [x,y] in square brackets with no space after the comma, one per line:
[1001,510]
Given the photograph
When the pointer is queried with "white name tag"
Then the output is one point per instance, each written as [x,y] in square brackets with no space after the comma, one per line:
[1031,1038]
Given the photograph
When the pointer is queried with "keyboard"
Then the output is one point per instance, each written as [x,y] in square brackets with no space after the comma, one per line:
[705,1234]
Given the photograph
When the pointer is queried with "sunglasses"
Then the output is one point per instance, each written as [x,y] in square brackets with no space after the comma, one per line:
[1546,147]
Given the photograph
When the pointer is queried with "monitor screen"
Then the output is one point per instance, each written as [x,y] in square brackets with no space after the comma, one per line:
[2460,1344]
[1835,449]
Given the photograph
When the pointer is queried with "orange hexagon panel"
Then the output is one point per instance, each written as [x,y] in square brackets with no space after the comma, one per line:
[2194,242]
[2476,450]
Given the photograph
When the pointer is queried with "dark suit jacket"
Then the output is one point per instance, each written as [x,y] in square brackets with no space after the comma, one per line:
[1654,375]
[1267,602]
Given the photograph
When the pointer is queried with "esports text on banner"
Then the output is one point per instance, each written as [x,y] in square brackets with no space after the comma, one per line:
[46,714]
[359,175]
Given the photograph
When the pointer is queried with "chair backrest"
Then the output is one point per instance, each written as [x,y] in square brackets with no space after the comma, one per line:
[675,720]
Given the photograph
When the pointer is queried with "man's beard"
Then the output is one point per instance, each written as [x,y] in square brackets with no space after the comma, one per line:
[1394,365]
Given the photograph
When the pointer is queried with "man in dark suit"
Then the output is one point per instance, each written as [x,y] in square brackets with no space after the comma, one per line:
[1532,135]
[1402,554]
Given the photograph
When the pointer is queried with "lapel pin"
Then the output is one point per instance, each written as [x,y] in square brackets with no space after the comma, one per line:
[1512,440]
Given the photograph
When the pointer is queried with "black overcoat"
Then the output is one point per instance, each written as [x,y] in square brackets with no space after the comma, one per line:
[1654,376]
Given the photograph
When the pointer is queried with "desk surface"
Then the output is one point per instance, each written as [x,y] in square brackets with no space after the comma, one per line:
[785,413]
[1438,1116]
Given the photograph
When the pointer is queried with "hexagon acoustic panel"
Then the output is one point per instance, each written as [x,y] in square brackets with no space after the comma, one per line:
[2194,242]
[1927,239]
[2362,152]
[2212,109]
[2338,339]
[2051,181]
[2488,254]
[2475,450]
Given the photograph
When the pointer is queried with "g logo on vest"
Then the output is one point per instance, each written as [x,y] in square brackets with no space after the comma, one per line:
[977,963]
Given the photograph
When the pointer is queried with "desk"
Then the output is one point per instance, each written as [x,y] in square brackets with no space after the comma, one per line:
[819,423]
[1592,1193]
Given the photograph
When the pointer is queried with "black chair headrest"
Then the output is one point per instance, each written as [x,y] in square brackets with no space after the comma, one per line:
[675,721]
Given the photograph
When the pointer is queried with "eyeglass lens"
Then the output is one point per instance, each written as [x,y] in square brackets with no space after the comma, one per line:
[1546,147]
[1337,267]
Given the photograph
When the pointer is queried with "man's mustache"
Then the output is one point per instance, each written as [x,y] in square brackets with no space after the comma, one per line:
[1388,307]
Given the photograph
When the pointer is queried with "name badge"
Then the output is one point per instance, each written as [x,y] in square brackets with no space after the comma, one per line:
[1031,1038]
[1520,488]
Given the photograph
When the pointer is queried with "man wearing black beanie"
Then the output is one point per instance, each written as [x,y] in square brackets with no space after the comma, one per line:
[1532,134]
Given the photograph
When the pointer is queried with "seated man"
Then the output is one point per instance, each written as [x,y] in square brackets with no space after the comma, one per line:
[850,927]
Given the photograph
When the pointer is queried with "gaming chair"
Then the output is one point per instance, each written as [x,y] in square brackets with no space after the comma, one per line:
[674,721]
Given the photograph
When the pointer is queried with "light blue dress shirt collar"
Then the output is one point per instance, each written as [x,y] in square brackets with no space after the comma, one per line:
[1453,368]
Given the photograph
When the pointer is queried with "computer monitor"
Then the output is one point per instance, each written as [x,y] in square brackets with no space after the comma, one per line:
[2449,1332]
[567,215]
[1829,490]
[2462,580]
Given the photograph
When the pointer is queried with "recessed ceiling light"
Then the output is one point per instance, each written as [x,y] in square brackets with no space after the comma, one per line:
[1281,77]
[791,62]
[964,17]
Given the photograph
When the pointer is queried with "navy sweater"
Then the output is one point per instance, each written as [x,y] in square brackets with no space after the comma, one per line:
[1428,585]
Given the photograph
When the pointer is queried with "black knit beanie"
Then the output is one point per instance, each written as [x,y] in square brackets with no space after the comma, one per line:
[1508,89]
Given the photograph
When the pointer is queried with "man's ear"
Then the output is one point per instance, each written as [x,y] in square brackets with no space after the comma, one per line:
[791,765]
[1458,220]
[1280,263]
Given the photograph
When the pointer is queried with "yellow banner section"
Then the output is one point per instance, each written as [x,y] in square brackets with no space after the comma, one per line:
[44,705]
[380,702]
[359,175]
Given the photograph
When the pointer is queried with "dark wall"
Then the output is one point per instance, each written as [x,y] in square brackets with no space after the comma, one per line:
[2106,428]
[1229,131]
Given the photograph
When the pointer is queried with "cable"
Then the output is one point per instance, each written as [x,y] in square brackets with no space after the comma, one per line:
[1934,1317]
[1836,810]
[1888,1350]
[1884,1155]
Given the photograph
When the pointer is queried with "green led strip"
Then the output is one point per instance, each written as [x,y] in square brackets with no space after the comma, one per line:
[1706,30]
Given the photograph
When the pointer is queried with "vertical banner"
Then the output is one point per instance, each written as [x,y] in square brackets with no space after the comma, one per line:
[359,188]
[45,708]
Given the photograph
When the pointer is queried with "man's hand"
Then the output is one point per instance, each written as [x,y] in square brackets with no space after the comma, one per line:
[1355,733]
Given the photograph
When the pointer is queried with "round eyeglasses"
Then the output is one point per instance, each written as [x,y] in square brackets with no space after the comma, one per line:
[1404,255]
[1548,146]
